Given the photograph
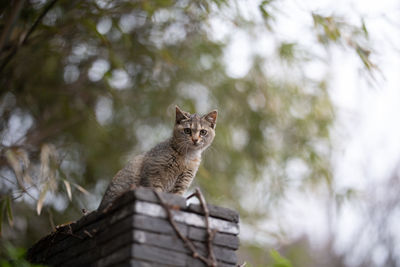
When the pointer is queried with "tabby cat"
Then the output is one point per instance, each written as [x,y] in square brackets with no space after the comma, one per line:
[171,165]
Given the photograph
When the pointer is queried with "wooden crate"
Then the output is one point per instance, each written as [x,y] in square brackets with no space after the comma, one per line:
[136,231]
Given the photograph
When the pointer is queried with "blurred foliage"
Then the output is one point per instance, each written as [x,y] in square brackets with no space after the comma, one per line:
[332,29]
[85,84]
[279,261]
[13,256]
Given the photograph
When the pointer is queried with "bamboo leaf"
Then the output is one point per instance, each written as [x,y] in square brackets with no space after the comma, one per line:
[9,211]
[47,167]
[24,158]
[42,197]
[14,163]
[68,188]
[2,206]
[80,188]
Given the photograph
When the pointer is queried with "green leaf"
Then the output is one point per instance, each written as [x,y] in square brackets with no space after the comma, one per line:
[287,51]
[364,28]
[279,261]
[9,211]
[2,207]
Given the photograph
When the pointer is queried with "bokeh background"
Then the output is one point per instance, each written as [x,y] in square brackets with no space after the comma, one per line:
[307,145]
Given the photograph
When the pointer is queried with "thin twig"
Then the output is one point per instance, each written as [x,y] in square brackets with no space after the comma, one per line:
[36,23]
[30,31]
[210,234]
[88,233]
[51,219]
[187,242]
[10,23]
[23,190]
[71,233]
[190,196]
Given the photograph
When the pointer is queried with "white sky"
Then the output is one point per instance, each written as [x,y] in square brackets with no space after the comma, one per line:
[366,135]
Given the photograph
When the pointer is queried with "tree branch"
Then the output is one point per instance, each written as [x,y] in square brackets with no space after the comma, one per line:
[187,242]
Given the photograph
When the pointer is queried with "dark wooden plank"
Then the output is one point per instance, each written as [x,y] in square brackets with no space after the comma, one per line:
[86,259]
[62,233]
[117,242]
[158,225]
[173,243]
[148,195]
[139,222]
[221,239]
[123,226]
[159,255]
[192,262]
[140,263]
[122,213]
[88,219]
[221,254]
[58,250]
[165,256]
[42,246]
[192,219]
[216,211]
[106,237]
[122,233]
[71,241]
[118,256]
[73,252]
[131,229]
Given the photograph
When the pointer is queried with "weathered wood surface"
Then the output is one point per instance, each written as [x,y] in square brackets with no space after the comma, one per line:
[134,231]
[187,218]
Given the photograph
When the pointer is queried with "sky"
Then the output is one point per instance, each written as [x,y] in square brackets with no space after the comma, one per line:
[366,143]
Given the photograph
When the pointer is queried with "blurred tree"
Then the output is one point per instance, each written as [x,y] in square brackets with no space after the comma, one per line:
[86,83]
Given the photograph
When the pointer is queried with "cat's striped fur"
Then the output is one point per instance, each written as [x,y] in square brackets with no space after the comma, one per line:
[171,165]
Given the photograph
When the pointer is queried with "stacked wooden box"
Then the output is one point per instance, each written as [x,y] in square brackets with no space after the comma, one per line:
[135,231]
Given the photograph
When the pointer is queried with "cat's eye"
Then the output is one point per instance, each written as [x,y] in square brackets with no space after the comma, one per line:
[203,132]
[187,131]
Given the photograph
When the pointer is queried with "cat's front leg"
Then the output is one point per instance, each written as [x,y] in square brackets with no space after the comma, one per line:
[182,183]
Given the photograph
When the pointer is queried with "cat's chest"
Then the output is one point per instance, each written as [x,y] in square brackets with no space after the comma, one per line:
[192,164]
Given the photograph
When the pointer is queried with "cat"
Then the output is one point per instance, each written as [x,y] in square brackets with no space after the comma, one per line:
[171,165]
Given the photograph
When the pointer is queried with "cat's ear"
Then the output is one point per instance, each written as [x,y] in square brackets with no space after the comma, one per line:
[181,115]
[211,118]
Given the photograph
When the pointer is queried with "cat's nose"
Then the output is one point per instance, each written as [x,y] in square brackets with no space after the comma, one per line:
[195,141]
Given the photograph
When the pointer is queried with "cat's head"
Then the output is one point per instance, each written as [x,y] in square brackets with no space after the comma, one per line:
[193,132]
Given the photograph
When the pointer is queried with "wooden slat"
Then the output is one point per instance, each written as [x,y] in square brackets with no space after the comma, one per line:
[192,262]
[221,239]
[176,244]
[135,228]
[221,254]
[86,259]
[192,219]
[148,195]
[118,256]
[215,211]
[139,263]
[159,240]
[157,225]
[159,255]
